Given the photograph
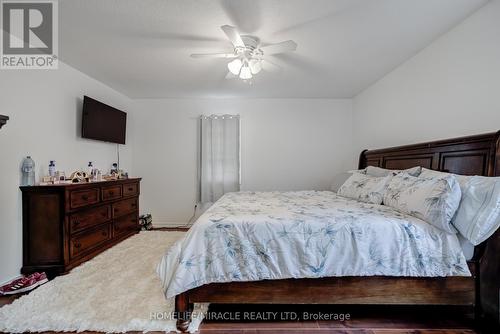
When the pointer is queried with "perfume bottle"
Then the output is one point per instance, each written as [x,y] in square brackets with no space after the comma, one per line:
[89,169]
[98,175]
[52,168]
[28,170]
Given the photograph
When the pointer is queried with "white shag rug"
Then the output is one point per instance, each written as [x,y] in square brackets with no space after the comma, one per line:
[115,292]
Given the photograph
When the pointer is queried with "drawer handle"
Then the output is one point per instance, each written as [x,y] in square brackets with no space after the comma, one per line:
[76,223]
[78,245]
[130,189]
[111,193]
[85,197]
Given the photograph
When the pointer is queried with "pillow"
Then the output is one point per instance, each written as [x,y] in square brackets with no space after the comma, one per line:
[432,200]
[377,171]
[359,171]
[365,188]
[478,215]
[338,180]
[432,174]
[380,172]
[466,246]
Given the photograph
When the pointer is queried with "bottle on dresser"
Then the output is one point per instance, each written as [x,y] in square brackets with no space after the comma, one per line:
[28,170]
[52,168]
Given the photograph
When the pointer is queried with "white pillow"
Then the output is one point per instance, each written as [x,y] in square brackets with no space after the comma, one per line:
[430,174]
[478,215]
[338,180]
[377,171]
[365,188]
[434,174]
[359,171]
[432,200]
[467,247]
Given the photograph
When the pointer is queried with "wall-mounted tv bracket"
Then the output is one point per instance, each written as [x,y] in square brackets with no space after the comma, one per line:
[3,120]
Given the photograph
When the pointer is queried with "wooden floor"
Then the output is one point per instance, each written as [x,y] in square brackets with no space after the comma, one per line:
[366,320]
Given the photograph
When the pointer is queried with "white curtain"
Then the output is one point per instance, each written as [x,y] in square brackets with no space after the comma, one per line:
[220,157]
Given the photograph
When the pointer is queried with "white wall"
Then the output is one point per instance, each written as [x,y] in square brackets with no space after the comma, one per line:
[451,88]
[44,109]
[285,145]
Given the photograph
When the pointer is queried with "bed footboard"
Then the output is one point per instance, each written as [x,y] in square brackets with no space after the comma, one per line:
[375,290]
[183,311]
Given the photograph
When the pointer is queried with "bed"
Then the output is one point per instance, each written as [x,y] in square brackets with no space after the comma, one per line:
[430,268]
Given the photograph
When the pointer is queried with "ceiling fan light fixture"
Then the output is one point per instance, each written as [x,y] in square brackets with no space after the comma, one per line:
[255,66]
[245,73]
[235,66]
[249,56]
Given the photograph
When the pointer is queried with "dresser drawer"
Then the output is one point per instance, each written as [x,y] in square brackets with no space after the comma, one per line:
[113,192]
[126,224]
[130,189]
[86,241]
[83,220]
[79,198]
[124,207]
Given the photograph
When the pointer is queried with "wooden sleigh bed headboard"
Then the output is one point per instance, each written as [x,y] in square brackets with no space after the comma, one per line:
[473,155]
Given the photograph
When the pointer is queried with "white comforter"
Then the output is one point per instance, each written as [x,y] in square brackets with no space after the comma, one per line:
[250,236]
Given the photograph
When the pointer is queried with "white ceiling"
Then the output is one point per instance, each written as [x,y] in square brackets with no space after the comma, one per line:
[141,48]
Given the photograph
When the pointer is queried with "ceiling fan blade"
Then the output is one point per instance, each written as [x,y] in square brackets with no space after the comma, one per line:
[286,46]
[300,62]
[270,67]
[233,35]
[213,55]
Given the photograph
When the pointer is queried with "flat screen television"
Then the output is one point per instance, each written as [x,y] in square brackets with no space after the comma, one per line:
[103,122]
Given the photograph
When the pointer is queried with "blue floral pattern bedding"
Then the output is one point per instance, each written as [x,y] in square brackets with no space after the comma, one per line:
[251,236]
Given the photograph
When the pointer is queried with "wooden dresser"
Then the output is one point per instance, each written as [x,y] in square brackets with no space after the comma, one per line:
[65,225]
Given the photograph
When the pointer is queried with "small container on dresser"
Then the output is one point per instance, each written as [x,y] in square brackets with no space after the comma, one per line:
[67,224]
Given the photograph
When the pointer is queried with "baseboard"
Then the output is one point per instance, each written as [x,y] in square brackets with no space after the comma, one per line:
[170,224]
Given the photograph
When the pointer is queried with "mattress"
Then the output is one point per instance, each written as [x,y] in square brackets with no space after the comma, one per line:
[252,236]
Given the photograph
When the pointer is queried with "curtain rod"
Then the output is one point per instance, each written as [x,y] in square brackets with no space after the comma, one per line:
[220,116]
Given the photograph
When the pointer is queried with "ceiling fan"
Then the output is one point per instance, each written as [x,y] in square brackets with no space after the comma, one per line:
[248,54]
